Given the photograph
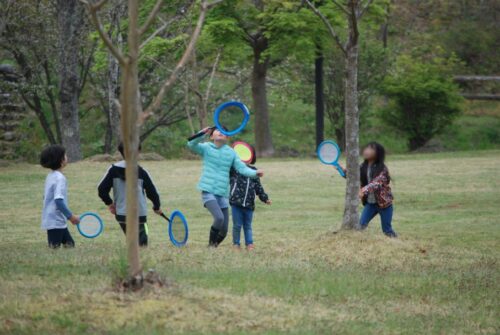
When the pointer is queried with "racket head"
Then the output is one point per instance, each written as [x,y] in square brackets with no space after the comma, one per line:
[328,152]
[90,225]
[231,117]
[244,151]
[178,229]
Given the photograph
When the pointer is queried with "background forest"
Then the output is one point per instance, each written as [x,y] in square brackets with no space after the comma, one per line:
[59,83]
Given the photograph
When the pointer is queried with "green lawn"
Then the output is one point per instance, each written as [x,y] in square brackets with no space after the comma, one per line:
[441,276]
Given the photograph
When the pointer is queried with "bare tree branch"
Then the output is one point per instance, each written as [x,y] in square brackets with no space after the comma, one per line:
[182,63]
[328,25]
[158,31]
[93,9]
[342,8]
[364,9]
[211,79]
[151,17]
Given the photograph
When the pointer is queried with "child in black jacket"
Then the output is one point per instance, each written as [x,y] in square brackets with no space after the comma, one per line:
[242,200]
[115,179]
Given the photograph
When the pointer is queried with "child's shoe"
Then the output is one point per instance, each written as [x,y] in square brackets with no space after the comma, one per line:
[236,247]
[250,247]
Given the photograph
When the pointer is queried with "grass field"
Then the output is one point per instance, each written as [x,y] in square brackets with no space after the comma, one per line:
[442,276]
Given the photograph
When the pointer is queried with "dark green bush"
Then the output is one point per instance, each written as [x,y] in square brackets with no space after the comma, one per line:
[423,99]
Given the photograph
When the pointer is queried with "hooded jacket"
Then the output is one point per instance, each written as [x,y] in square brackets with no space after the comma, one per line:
[244,190]
[115,179]
[217,162]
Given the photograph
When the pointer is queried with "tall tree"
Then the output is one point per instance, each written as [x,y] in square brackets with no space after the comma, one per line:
[263,32]
[353,11]
[132,113]
[319,96]
[70,21]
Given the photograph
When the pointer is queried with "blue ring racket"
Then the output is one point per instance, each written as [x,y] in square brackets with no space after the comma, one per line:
[90,225]
[329,153]
[177,228]
[230,118]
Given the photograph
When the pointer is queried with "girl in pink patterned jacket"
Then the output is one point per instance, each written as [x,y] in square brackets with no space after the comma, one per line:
[375,191]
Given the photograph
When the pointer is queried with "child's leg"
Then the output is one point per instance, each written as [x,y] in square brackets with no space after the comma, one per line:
[67,241]
[247,226]
[237,223]
[386,219]
[218,224]
[143,235]
[369,212]
[225,225]
[123,226]
[55,237]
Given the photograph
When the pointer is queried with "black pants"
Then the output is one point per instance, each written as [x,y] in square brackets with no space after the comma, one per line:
[56,237]
[143,235]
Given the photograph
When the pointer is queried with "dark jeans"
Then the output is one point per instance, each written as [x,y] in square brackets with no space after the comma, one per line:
[369,212]
[143,234]
[56,237]
[242,217]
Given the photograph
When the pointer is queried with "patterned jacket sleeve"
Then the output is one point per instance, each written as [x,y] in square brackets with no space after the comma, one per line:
[377,183]
[259,190]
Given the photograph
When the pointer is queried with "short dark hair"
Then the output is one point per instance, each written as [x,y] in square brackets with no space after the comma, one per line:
[52,157]
[121,149]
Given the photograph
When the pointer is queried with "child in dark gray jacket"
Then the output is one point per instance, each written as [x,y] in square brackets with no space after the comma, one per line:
[115,179]
[242,200]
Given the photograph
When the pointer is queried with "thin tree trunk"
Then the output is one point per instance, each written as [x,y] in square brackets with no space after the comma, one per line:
[351,215]
[69,18]
[130,133]
[320,103]
[263,139]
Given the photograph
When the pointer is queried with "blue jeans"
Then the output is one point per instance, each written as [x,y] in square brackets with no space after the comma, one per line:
[242,217]
[369,213]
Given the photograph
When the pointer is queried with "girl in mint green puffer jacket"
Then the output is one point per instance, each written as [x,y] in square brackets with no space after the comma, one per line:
[218,159]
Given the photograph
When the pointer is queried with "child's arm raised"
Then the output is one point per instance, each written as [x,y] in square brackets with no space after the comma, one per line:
[194,143]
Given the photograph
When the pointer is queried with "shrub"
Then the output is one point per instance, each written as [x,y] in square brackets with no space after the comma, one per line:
[423,99]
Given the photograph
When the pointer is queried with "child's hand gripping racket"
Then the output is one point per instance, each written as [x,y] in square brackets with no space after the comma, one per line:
[230,118]
[177,228]
[329,153]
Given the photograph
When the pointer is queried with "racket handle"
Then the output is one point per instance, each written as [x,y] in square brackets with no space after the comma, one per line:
[340,170]
[199,134]
[165,217]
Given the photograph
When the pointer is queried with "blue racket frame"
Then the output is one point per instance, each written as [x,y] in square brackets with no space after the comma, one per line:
[335,162]
[225,105]
[101,224]
[171,235]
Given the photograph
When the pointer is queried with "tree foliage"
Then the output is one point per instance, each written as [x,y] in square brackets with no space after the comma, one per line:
[423,98]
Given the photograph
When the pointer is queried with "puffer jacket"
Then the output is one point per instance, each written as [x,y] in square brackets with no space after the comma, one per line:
[244,190]
[217,163]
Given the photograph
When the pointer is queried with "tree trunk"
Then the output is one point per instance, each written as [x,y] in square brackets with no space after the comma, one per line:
[320,104]
[69,18]
[351,215]
[263,139]
[130,133]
